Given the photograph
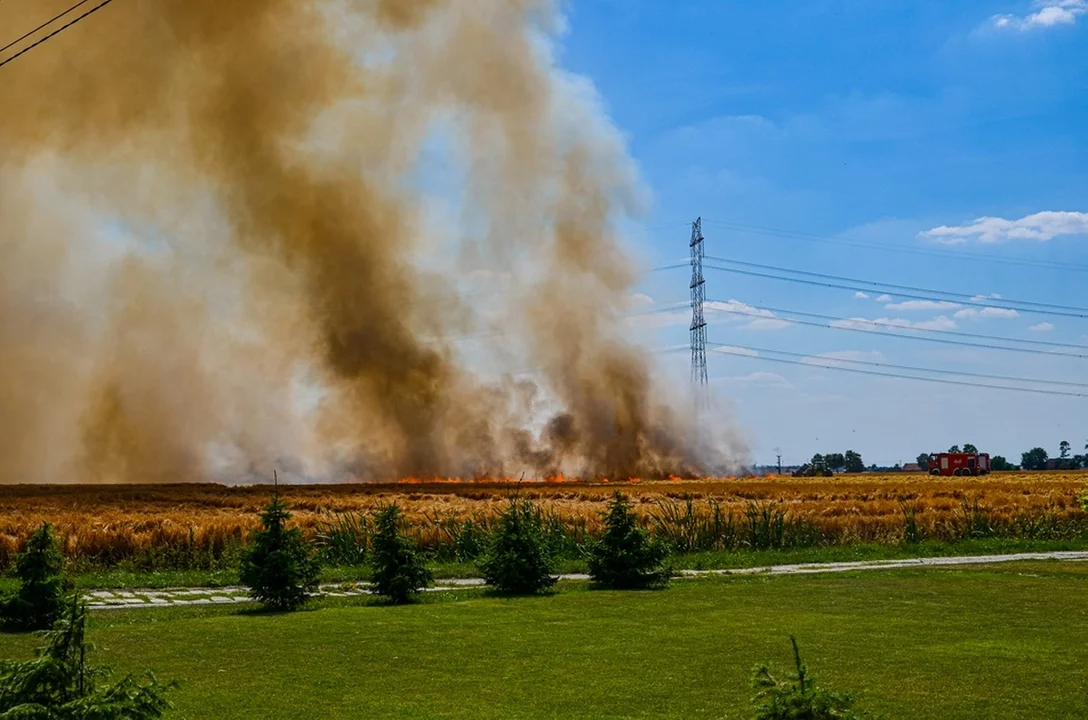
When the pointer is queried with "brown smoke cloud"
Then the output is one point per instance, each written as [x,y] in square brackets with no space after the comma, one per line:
[219,252]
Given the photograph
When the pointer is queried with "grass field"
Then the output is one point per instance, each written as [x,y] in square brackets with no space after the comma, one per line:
[195,526]
[1007,641]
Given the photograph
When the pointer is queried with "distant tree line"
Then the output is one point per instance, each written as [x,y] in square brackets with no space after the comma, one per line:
[849,461]
[1035,459]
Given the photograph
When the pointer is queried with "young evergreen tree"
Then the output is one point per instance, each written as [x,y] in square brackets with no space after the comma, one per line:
[59,685]
[625,557]
[798,698]
[39,601]
[279,567]
[399,570]
[518,560]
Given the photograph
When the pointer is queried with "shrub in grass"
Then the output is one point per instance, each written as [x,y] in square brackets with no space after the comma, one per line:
[38,602]
[342,539]
[798,698]
[399,571]
[912,532]
[625,557]
[518,561]
[59,685]
[279,567]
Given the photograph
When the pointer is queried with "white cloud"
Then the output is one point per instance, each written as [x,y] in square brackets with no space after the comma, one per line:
[922,305]
[666,317]
[984,298]
[737,311]
[937,323]
[1042,327]
[1041,226]
[641,301]
[860,295]
[1048,14]
[841,358]
[758,378]
[986,312]
[730,350]
[766,324]
[884,298]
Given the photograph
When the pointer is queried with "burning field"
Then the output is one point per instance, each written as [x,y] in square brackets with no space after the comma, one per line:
[201,525]
[349,241]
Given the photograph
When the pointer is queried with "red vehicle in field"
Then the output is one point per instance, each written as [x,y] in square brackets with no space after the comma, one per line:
[959,464]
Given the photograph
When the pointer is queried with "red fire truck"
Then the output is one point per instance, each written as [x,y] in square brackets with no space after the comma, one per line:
[959,464]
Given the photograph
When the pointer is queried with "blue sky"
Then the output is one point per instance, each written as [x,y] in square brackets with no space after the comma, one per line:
[878,122]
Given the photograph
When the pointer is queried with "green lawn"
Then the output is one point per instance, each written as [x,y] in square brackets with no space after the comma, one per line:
[1007,641]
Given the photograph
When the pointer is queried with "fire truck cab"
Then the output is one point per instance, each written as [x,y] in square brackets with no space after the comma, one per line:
[959,464]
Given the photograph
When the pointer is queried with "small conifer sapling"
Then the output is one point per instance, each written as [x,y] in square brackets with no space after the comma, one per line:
[40,599]
[399,569]
[625,557]
[279,567]
[799,698]
[60,684]
[518,560]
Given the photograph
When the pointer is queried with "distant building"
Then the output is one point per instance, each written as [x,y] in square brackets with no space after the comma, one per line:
[912,467]
[1054,464]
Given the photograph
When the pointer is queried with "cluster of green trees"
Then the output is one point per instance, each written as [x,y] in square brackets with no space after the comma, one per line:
[59,684]
[281,569]
[1037,458]
[849,461]
[1034,459]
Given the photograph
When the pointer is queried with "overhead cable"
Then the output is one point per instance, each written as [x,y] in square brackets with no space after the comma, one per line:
[857,287]
[56,32]
[45,24]
[713,306]
[873,363]
[854,328]
[899,376]
[884,287]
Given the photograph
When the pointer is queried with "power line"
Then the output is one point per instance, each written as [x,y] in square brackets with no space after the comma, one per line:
[991,302]
[900,376]
[53,34]
[13,43]
[944,341]
[911,368]
[878,323]
[932,252]
[841,286]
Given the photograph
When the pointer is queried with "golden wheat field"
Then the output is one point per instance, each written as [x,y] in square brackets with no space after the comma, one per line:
[113,523]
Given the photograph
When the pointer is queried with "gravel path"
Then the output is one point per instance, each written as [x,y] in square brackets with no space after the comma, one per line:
[115,599]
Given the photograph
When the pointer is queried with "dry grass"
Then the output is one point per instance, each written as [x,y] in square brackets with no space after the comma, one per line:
[110,524]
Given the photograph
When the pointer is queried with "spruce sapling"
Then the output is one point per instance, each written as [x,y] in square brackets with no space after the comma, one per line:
[279,567]
[399,570]
[39,601]
[59,683]
[625,557]
[798,698]
[518,561]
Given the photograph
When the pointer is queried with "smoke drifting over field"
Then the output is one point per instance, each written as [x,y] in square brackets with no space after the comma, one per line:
[222,249]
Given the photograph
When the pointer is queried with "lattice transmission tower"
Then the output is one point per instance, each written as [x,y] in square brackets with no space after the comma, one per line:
[698,322]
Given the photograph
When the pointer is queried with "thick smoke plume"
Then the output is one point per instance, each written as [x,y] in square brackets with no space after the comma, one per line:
[236,236]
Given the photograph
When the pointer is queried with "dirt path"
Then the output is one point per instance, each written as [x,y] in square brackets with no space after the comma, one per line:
[135,598]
